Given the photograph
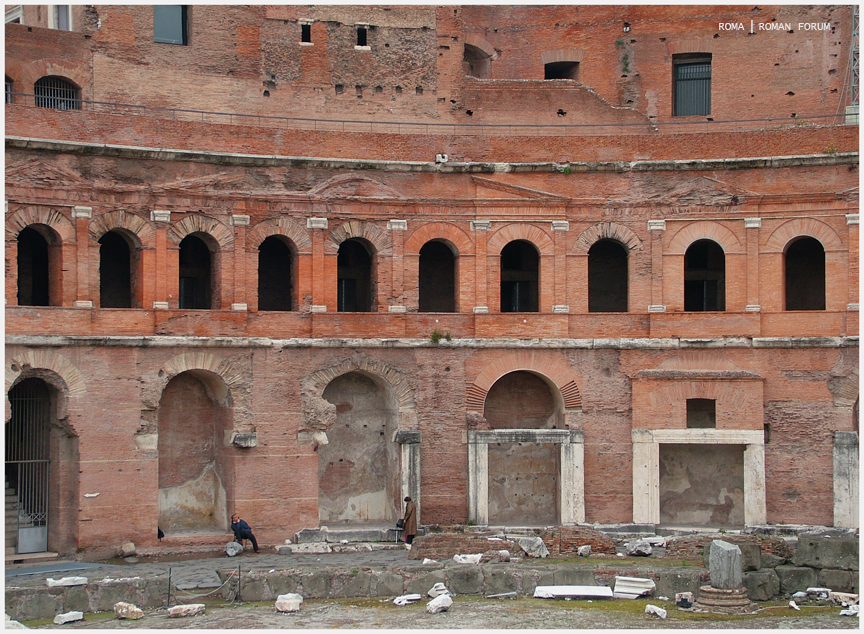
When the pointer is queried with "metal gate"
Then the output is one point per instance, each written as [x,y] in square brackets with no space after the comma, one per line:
[27,459]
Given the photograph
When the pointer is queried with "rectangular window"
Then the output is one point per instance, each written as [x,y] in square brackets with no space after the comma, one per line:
[305,32]
[9,89]
[61,17]
[701,413]
[692,84]
[169,24]
[361,36]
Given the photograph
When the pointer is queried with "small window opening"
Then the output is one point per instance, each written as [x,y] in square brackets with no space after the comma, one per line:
[805,275]
[475,62]
[195,274]
[354,264]
[701,413]
[607,278]
[61,17]
[361,36]
[520,277]
[275,275]
[561,70]
[56,92]
[691,84]
[170,22]
[419,90]
[115,271]
[704,277]
[340,89]
[33,269]
[10,88]
[437,284]
[305,32]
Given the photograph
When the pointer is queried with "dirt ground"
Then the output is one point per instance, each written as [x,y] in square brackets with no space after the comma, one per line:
[474,613]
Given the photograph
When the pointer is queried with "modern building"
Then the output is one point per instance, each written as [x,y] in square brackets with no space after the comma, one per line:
[531,266]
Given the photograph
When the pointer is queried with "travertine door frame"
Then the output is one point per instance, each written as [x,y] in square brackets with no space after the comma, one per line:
[571,480]
[646,467]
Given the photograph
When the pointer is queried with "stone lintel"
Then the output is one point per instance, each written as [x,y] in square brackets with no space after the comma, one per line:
[246,440]
[753,308]
[407,436]
[397,225]
[481,310]
[160,215]
[560,225]
[481,225]
[656,308]
[318,308]
[160,305]
[397,309]
[560,309]
[851,219]
[316,223]
[82,303]
[240,220]
[752,223]
[656,225]
[242,307]
[82,212]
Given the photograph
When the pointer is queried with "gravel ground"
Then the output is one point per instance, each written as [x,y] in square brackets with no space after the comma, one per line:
[474,613]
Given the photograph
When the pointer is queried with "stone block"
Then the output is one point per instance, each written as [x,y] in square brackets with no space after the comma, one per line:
[181,611]
[388,584]
[233,549]
[289,602]
[751,556]
[127,550]
[350,584]
[77,599]
[421,583]
[129,611]
[27,604]
[639,549]
[762,585]
[316,584]
[839,553]
[529,581]
[465,579]
[795,579]
[768,560]
[281,583]
[839,580]
[725,565]
[252,588]
[501,580]
[66,582]
[674,580]
[440,603]
[68,617]
[569,576]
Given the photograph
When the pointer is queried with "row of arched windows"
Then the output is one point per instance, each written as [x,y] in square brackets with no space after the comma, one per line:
[608,278]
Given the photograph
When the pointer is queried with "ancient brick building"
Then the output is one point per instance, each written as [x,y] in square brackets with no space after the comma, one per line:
[529,265]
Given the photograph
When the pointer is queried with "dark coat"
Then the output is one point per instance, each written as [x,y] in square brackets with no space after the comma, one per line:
[410,519]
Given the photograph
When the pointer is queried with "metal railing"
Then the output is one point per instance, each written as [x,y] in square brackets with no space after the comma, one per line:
[443,129]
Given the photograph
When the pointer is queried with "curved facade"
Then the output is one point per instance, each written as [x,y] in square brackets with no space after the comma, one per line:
[353,272]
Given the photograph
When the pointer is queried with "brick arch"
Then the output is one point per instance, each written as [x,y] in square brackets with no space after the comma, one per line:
[360,229]
[556,370]
[39,216]
[281,226]
[135,225]
[221,377]
[530,233]
[196,223]
[396,379]
[704,230]
[694,45]
[607,231]
[35,70]
[800,227]
[561,55]
[478,42]
[439,231]
[53,368]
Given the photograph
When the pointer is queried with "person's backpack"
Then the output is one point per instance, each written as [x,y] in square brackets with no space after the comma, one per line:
[400,523]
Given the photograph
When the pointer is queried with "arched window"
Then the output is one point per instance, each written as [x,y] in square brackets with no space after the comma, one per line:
[476,62]
[115,271]
[607,278]
[275,274]
[56,92]
[704,277]
[195,274]
[437,278]
[33,269]
[354,277]
[520,277]
[805,275]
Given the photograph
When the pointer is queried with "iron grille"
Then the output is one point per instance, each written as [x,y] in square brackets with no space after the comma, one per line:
[56,92]
[27,450]
[9,88]
[693,89]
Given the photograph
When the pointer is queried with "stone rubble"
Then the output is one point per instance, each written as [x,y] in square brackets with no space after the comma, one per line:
[440,603]
[233,549]
[639,549]
[289,602]
[584,551]
[127,550]
[565,592]
[653,609]
[633,587]
[533,546]
[12,624]
[180,611]
[128,611]
[66,582]
[437,590]
[468,559]
[68,617]
[406,599]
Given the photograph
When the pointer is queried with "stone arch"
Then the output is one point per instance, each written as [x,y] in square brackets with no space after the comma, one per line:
[478,42]
[359,229]
[27,216]
[561,55]
[135,225]
[800,227]
[553,369]
[607,231]
[439,231]
[197,223]
[282,226]
[704,230]
[530,233]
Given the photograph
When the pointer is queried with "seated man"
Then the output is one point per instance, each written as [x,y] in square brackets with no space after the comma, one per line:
[242,531]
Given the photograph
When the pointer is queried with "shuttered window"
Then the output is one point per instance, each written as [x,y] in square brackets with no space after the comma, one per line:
[692,84]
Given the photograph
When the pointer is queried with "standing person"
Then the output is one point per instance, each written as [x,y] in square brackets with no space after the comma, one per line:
[242,531]
[410,520]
